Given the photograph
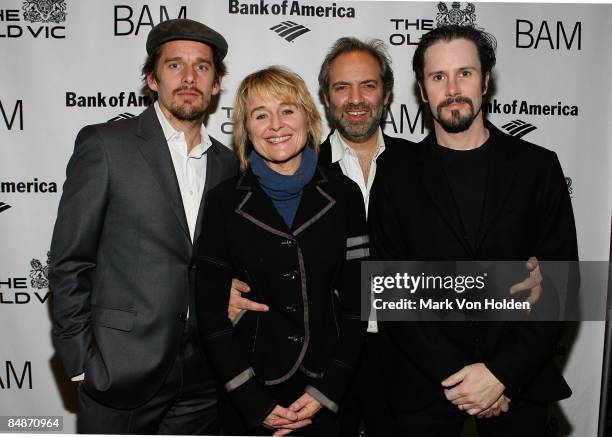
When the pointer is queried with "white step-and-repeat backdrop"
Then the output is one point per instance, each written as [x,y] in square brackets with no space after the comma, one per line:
[68,63]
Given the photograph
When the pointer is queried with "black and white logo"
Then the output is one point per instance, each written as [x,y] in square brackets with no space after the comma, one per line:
[44,11]
[570,190]
[122,116]
[33,186]
[134,20]
[548,35]
[12,115]
[39,274]
[294,8]
[518,128]
[17,375]
[289,30]
[30,289]
[524,107]
[42,19]
[456,15]
[129,99]
[4,206]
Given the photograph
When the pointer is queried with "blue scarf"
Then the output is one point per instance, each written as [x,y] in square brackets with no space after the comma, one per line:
[285,191]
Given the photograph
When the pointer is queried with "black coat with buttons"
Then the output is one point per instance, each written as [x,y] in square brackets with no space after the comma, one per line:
[310,327]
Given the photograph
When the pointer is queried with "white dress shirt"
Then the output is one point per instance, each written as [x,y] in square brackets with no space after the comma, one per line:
[343,154]
[190,168]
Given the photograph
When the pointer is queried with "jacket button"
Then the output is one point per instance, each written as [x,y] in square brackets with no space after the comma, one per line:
[289,243]
[182,317]
[296,338]
[292,275]
[292,308]
[193,266]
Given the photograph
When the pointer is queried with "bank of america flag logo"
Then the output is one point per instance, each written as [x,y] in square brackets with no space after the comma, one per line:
[122,116]
[518,128]
[4,206]
[289,30]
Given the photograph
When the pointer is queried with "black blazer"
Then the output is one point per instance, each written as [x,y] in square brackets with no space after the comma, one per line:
[120,259]
[527,212]
[309,327]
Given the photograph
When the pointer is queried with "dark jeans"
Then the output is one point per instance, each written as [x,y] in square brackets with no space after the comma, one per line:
[365,399]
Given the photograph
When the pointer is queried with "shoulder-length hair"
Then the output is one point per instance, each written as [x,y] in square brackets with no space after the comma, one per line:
[279,83]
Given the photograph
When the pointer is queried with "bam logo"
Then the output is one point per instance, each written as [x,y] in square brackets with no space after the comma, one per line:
[44,11]
[518,128]
[12,378]
[122,116]
[289,30]
[4,206]
[456,15]
[10,118]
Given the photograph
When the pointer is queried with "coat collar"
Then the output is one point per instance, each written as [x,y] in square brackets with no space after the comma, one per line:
[500,178]
[258,208]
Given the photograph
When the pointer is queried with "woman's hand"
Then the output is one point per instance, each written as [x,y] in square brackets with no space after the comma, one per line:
[284,421]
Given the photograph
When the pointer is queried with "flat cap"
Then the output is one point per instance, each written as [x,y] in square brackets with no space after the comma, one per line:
[182,28]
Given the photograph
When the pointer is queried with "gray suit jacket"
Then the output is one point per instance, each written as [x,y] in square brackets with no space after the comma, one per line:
[121,259]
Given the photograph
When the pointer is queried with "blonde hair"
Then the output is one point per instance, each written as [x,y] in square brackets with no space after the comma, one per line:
[280,83]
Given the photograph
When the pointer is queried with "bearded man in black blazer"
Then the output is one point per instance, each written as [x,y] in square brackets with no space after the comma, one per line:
[469,192]
[121,252]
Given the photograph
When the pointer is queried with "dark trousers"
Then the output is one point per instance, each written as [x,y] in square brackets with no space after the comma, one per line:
[186,404]
[443,419]
[365,399]
[324,423]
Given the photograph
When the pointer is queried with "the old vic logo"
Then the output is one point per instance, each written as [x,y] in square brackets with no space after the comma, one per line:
[25,290]
[44,17]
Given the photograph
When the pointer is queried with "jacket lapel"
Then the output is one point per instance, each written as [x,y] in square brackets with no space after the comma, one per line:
[154,149]
[500,178]
[258,208]
[314,204]
[214,172]
[439,191]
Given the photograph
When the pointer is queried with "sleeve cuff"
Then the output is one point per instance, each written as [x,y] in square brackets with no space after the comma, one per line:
[78,378]
[323,400]
[239,379]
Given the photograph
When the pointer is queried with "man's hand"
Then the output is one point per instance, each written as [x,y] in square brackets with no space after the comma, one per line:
[474,388]
[502,405]
[237,303]
[533,282]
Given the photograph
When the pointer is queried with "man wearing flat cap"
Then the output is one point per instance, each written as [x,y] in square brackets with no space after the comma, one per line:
[122,274]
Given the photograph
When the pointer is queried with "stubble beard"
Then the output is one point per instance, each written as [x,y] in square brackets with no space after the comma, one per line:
[357,132]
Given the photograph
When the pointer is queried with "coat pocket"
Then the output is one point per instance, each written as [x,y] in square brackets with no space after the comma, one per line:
[122,320]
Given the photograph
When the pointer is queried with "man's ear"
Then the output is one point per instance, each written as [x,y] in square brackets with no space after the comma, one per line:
[325,100]
[216,87]
[485,83]
[151,81]
[423,92]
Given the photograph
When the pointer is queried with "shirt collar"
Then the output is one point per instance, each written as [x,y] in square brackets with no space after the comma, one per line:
[339,147]
[171,134]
